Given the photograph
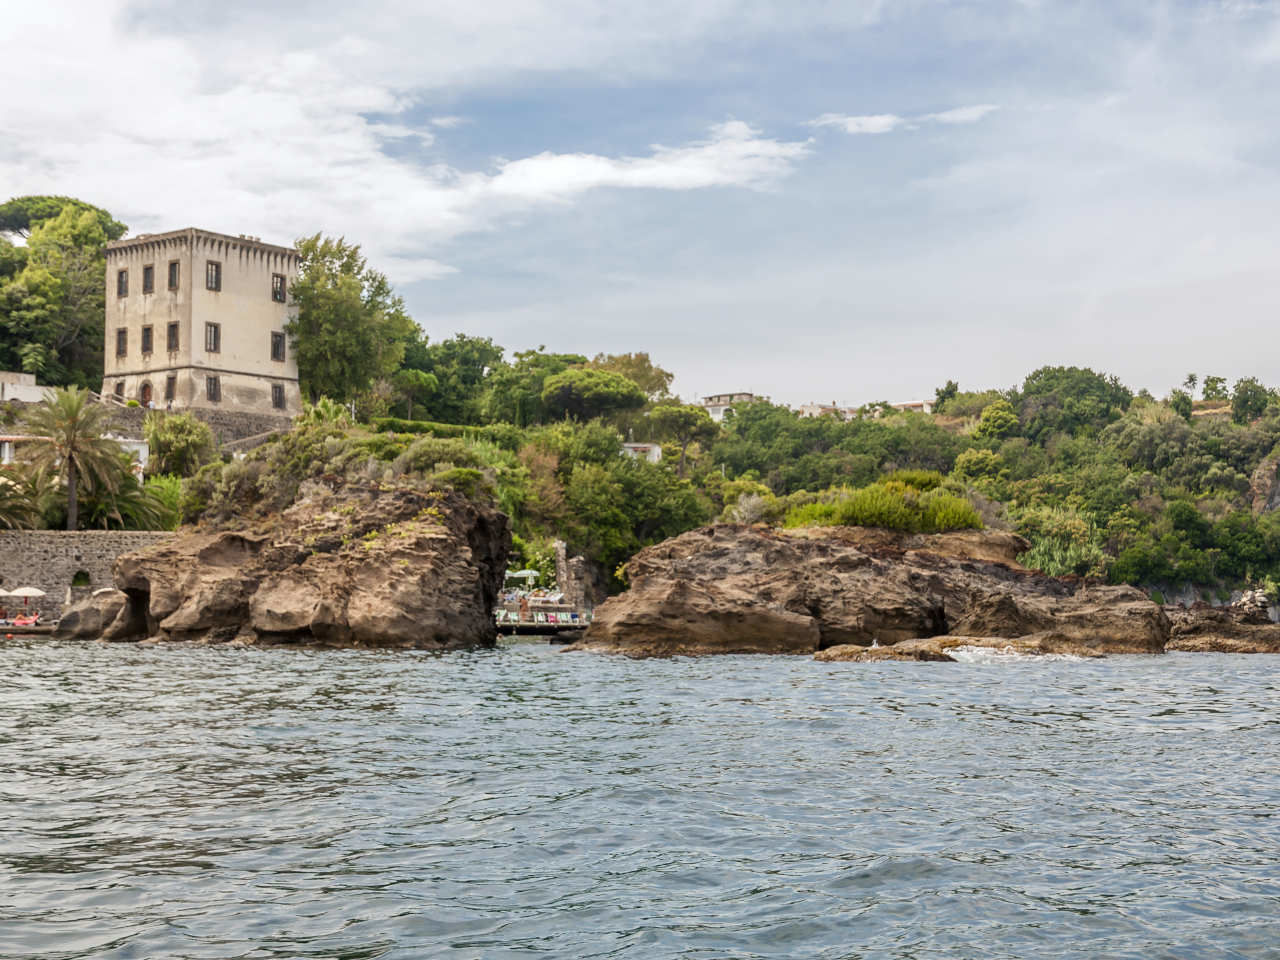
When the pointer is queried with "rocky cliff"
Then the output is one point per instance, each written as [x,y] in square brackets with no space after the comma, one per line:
[740,589]
[349,563]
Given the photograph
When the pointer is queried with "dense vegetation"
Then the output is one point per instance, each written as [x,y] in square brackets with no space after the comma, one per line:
[52,293]
[1103,482]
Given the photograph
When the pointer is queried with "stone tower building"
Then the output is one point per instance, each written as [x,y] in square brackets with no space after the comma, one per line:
[195,320]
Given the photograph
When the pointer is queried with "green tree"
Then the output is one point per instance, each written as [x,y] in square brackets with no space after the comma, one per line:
[69,443]
[997,421]
[20,215]
[1069,400]
[351,329]
[1248,399]
[17,508]
[640,370]
[453,376]
[584,393]
[1180,403]
[944,393]
[179,443]
[683,424]
[1189,383]
[1215,388]
[52,308]
[515,390]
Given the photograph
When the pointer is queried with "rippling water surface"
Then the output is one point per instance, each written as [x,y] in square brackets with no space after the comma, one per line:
[205,802]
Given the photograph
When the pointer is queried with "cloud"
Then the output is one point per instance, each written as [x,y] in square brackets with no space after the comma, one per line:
[962,114]
[887,122]
[314,143]
[733,155]
[875,123]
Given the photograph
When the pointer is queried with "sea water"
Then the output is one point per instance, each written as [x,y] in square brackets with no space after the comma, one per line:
[181,802]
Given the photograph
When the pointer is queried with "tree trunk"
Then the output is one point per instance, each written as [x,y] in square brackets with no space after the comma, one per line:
[73,481]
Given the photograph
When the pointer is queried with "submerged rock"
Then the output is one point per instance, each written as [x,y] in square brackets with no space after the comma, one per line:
[738,589]
[354,564]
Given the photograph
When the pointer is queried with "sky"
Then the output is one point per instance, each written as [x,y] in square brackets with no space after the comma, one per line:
[810,200]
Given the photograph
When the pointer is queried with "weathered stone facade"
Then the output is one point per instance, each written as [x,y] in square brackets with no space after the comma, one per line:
[196,319]
[50,560]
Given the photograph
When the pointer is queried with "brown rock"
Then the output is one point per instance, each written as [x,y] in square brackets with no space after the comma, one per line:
[353,564]
[944,648]
[737,589]
[927,649]
[1242,628]
[1264,485]
[87,619]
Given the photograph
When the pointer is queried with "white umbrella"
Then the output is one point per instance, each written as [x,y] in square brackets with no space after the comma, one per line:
[26,593]
[525,574]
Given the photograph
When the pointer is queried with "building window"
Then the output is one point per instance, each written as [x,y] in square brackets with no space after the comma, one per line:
[122,342]
[122,283]
[212,275]
[212,337]
[149,279]
[278,288]
[277,347]
[170,388]
[120,389]
[146,339]
[172,338]
[174,274]
[277,396]
[212,389]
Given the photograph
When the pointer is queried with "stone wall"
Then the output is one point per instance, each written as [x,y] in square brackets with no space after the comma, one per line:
[227,425]
[50,560]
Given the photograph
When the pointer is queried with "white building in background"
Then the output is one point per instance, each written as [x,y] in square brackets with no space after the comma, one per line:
[719,403]
[914,406]
[196,319]
[651,452]
[832,409]
[21,387]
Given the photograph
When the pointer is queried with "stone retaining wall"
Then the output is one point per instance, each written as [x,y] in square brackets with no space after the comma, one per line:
[50,560]
[227,425]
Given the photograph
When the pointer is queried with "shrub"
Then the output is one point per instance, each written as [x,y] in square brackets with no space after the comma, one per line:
[466,480]
[921,480]
[893,506]
[429,454]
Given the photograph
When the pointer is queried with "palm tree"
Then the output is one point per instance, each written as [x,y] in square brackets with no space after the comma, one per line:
[16,509]
[67,433]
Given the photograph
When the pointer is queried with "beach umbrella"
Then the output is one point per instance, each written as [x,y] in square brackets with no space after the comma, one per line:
[26,593]
[524,574]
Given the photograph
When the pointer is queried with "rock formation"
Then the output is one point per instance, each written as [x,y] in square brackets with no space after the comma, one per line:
[739,589]
[357,564]
[1243,627]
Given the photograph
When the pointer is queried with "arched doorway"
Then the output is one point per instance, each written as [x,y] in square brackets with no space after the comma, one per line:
[144,395]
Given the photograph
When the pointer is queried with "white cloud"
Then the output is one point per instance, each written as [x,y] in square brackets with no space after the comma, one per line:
[287,151]
[874,123]
[887,122]
[962,114]
[734,155]
[447,123]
